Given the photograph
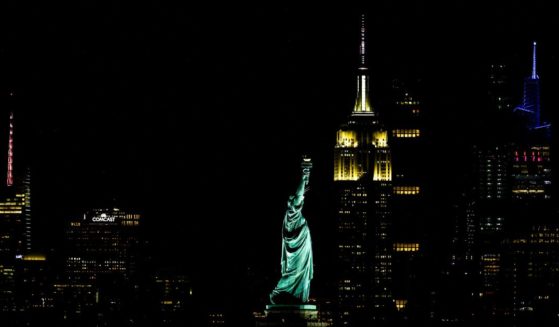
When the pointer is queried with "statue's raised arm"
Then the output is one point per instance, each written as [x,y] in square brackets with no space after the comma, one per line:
[296,256]
[306,166]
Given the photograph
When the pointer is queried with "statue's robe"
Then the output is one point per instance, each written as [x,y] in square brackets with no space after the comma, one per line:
[296,258]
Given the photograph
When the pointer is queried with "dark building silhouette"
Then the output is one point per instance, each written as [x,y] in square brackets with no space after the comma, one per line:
[174,299]
[499,87]
[34,298]
[409,203]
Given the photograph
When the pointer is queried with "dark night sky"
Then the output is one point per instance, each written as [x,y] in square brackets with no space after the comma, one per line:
[198,117]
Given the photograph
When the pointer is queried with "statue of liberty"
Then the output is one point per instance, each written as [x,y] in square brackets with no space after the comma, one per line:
[296,251]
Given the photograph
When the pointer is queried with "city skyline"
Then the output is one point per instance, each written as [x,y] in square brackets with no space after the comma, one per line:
[100,134]
[190,111]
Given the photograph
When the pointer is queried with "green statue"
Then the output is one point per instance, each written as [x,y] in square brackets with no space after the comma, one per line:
[296,250]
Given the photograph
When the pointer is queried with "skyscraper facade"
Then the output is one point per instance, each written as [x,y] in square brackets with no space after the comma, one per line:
[11,245]
[363,183]
[409,214]
[15,224]
[531,171]
[101,249]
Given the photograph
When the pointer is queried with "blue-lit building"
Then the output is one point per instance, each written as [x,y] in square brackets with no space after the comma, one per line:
[530,108]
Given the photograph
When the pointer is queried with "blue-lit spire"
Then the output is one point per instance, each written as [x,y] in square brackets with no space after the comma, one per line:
[534,72]
[530,107]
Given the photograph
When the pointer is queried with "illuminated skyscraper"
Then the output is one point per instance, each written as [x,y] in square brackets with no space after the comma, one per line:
[11,245]
[493,171]
[363,182]
[492,199]
[531,150]
[530,108]
[530,157]
[492,202]
[100,263]
[15,224]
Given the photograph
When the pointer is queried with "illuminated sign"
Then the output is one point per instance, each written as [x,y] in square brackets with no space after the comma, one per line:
[103,218]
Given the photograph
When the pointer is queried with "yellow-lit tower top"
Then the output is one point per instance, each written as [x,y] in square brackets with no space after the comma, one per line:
[362,144]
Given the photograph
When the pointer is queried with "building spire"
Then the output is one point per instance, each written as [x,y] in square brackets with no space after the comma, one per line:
[534,72]
[362,102]
[530,107]
[10,178]
[363,45]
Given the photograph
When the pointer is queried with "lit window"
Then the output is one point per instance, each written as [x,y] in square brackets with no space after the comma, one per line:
[406,247]
[406,190]
[406,133]
[401,304]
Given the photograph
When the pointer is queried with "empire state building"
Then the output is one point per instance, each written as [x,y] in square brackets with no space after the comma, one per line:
[363,185]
